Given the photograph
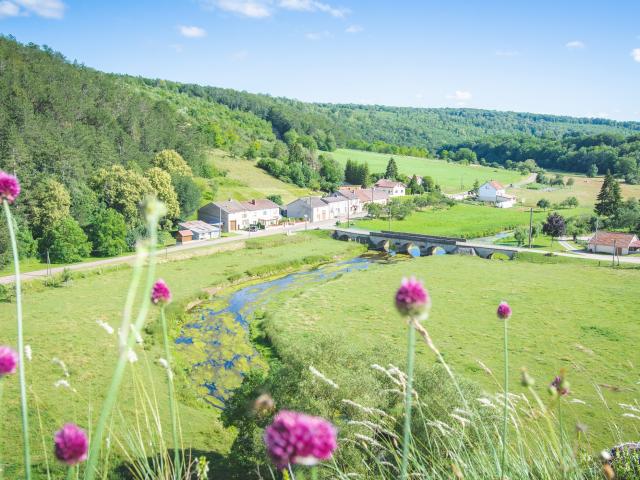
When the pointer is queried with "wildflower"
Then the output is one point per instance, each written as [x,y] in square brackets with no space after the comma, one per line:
[62,365]
[27,352]
[202,468]
[132,356]
[264,404]
[504,311]
[581,428]
[605,456]
[71,444]
[163,363]
[9,187]
[160,294]
[296,438]
[526,380]
[8,361]
[105,326]
[62,383]
[412,299]
[559,386]
[322,377]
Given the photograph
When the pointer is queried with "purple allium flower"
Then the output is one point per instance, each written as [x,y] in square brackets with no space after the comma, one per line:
[160,294]
[296,438]
[71,444]
[504,311]
[9,187]
[412,298]
[560,385]
[8,361]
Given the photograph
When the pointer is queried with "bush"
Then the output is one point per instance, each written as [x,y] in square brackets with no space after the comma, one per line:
[65,241]
[108,233]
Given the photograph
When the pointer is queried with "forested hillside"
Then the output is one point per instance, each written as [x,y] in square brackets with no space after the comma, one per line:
[392,129]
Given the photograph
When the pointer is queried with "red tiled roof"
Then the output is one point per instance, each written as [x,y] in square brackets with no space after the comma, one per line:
[185,233]
[496,185]
[259,204]
[366,194]
[622,240]
[384,183]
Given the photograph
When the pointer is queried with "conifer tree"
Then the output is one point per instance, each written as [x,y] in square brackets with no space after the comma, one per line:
[609,198]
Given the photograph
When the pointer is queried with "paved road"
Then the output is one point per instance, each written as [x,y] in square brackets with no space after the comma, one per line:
[172,250]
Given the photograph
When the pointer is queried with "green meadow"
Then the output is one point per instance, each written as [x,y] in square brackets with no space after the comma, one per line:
[61,323]
[572,316]
[460,220]
[452,177]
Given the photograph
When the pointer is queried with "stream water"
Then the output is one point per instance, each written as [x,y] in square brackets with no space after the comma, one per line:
[217,341]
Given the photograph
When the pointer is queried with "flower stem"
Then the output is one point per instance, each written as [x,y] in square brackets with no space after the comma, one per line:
[561,437]
[172,404]
[314,473]
[505,425]
[21,366]
[116,380]
[70,473]
[408,398]
[1,464]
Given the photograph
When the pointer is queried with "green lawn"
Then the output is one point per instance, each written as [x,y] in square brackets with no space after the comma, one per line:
[452,177]
[575,316]
[461,220]
[61,322]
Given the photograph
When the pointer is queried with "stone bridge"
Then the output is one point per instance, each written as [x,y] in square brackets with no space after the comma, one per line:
[427,244]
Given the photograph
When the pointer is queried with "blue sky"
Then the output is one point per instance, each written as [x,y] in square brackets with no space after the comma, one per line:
[563,56]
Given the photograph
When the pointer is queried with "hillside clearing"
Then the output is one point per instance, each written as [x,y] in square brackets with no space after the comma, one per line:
[451,177]
[245,181]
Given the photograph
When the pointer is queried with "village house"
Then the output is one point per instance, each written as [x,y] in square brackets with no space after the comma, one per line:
[197,230]
[610,242]
[313,209]
[372,195]
[494,192]
[338,206]
[353,201]
[235,215]
[392,188]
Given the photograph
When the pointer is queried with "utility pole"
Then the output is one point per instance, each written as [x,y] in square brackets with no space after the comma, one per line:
[530,225]
[613,260]
[48,264]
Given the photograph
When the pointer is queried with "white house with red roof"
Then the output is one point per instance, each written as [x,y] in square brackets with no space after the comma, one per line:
[391,187]
[610,242]
[494,192]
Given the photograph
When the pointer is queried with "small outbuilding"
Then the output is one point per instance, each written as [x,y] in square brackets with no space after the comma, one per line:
[200,230]
[614,242]
[184,236]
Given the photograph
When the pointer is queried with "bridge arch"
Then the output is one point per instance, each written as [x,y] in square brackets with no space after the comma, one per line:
[436,250]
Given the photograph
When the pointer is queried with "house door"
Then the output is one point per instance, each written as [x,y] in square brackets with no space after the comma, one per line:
[232,225]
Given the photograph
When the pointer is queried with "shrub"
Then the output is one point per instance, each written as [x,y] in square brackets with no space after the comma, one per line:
[65,241]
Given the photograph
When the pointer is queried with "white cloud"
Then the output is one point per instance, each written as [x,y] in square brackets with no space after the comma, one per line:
[8,9]
[246,8]
[318,35]
[313,6]
[635,53]
[575,44]
[507,53]
[42,8]
[354,29]
[461,95]
[191,31]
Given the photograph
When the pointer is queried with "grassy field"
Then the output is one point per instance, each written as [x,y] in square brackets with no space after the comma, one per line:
[461,220]
[573,316]
[451,177]
[585,189]
[245,181]
[61,323]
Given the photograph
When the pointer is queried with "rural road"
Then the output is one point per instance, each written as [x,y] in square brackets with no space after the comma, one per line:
[40,274]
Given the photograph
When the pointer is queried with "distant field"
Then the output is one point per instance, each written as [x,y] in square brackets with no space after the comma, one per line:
[461,220]
[245,181]
[572,316]
[450,176]
[584,189]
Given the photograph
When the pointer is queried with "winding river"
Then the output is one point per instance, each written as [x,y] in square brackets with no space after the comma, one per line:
[217,343]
